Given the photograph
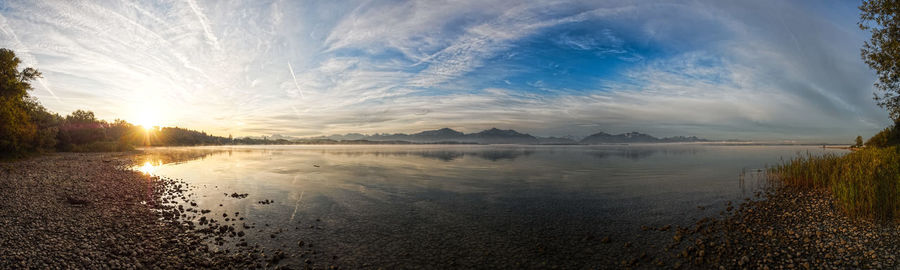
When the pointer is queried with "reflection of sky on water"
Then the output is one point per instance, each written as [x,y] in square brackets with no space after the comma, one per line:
[374,202]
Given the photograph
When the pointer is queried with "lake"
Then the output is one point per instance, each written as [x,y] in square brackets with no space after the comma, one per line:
[466,206]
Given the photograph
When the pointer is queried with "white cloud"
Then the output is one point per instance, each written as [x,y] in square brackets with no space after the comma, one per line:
[746,70]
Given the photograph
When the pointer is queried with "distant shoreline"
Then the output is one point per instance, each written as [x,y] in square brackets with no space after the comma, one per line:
[358,142]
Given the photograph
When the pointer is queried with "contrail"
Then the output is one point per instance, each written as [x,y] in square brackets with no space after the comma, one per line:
[793,36]
[4,26]
[204,23]
[41,81]
[295,80]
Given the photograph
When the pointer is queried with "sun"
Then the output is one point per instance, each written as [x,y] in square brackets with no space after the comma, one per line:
[147,122]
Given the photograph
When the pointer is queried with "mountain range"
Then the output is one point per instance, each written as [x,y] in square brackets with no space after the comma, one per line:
[507,136]
[635,137]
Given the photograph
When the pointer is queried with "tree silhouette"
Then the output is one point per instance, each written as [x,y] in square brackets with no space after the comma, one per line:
[882,51]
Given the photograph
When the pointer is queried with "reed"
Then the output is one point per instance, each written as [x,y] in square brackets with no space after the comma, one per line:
[865,182]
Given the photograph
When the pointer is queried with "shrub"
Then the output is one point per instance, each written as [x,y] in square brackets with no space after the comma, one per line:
[102,147]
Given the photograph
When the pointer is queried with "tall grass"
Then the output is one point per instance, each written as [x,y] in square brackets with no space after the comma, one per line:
[865,183]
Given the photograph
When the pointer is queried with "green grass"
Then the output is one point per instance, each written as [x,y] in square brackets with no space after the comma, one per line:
[865,182]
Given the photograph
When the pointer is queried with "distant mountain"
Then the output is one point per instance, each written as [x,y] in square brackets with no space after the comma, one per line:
[338,137]
[280,137]
[635,137]
[683,139]
[500,136]
[444,132]
[572,137]
[448,135]
[556,140]
[602,137]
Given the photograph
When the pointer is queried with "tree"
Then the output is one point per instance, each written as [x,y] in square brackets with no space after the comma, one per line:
[887,137]
[47,125]
[17,131]
[81,127]
[81,117]
[882,51]
[859,142]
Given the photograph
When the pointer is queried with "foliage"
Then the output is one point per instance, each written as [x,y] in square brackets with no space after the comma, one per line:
[17,130]
[47,125]
[887,137]
[102,146]
[864,182]
[175,136]
[882,51]
[859,142]
[81,127]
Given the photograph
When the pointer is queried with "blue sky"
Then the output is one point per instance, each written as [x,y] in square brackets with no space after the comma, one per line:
[764,70]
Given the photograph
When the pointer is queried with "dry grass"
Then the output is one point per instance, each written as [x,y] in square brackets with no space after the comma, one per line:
[864,182]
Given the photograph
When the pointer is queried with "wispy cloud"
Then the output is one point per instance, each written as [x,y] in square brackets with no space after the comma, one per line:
[766,69]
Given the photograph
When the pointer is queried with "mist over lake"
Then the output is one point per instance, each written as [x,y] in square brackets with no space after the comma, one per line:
[467,205]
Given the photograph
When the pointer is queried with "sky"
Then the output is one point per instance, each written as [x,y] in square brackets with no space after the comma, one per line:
[761,70]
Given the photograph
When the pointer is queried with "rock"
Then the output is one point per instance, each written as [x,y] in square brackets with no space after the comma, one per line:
[76,200]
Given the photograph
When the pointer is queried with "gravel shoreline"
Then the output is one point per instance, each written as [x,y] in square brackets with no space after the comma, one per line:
[90,211]
[789,229]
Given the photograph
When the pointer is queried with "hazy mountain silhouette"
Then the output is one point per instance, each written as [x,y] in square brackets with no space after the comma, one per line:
[635,137]
[494,136]
[503,136]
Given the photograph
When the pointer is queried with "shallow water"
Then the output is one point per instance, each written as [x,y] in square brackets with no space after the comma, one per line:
[466,206]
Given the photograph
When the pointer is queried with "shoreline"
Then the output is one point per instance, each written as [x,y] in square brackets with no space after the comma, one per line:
[76,210]
[791,229]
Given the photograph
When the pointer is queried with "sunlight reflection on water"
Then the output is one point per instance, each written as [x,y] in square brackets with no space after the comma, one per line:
[148,168]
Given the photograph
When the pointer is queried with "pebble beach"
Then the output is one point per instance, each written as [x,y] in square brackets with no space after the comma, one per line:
[88,211]
[789,229]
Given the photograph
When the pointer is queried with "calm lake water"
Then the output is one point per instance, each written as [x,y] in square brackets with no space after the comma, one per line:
[464,206]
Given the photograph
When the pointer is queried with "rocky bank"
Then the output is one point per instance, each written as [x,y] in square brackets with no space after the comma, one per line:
[90,211]
[789,229]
